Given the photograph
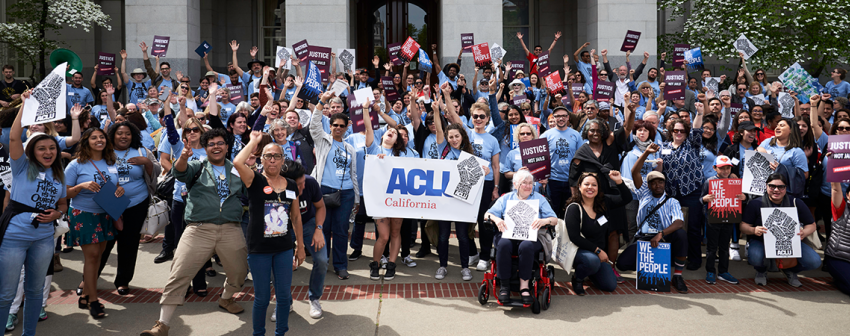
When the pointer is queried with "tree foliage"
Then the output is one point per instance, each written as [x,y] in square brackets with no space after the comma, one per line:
[785,31]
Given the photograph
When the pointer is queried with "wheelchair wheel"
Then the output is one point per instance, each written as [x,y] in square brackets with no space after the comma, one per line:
[546,298]
[483,294]
[552,275]
[535,307]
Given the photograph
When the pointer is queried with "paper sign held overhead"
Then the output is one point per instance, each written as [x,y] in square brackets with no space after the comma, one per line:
[300,49]
[106,64]
[694,58]
[202,49]
[389,88]
[535,157]
[631,40]
[543,64]
[554,83]
[394,49]
[346,58]
[312,84]
[235,93]
[497,52]
[677,83]
[283,58]
[321,57]
[466,42]
[604,91]
[756,171]
[679,54]
[481,54]
[47,101]
[744,45]
[424,62]
[355,111]
[519,100]
[160,45]
[786,104]
[408,50]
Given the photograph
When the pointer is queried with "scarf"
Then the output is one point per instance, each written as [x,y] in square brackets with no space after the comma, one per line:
[642,145]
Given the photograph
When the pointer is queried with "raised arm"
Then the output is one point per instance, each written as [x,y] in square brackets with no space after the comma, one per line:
[519,36]
[578,51]
[700,113]
[110,107]
[746,71]
[75,126]
[245,172]
[234,47]
[124,67]
[413,107]
[435,60]
[93,77]
[552,46]
[607,66]
[475,81]
[628,109]
[817,130]
[636,177]
[367,122]
[438,122]
[16,147]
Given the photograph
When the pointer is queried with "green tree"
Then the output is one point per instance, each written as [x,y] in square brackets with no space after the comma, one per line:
[785,31]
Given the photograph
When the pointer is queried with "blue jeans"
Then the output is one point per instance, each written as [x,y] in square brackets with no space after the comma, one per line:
[587,264]
[462,242]
[336,224]
[262,267]
[320,261]
[755,257]
[37,257]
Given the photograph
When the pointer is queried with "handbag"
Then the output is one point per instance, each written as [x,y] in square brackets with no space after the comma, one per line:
[334,199]
[563,250]
[157,217]
[61,227]
[165,186]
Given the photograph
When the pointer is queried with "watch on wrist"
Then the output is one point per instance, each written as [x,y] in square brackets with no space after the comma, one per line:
[319,227]
[598,251]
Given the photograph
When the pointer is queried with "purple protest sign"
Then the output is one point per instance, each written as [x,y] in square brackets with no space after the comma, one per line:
[535,157]
[631,40]
[355,111]
[577,89]
[105,64]
[393,49]
[321,57]
[517,66]
[604,91]
[734,108]
[543,64]
[519,100]
[301,49]
[389,88]
[679,54]
[838,167]
[466,42]
[677,82]
[160,45]
[235,93]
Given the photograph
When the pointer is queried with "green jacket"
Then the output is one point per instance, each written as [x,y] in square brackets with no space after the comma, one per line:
[202,199]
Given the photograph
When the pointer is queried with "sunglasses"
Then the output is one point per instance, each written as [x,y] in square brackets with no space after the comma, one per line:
[184,87]
[479,116]
[603,74]
[526,109]
[185,81]
[592,130]
[272,156]
[843,129]
[777,187]
[337,125]
[526,133]
[418,83]
[429,122]
[741,90]
[760,74]
[216,144]
[193,130]
[678,130]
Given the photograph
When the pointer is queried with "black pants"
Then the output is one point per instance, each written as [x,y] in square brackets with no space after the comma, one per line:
[485,234]
[426,243]
[825,213]
[678,248]
[128,243]
[718,236]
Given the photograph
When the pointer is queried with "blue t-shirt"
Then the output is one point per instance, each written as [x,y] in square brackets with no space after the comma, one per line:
[221,177]
[79,95]
[43,193]
[376,149]
[544,210]
[842,89]
[4,138]
[791,158]
[226,111]
[137,92]
[248,83]
[147,140]
[485,146]
[629,161]
[513,163]
[237,146]
[100,112]
[430,148]
[562,146]
[77,173]
[443,78]
[166,147]
[337,173]
[290,93]
[131,177]
[655,88]
[586,70]
[358,141]
[707,163]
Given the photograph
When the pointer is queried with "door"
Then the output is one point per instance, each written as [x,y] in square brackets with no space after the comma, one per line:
[380,23]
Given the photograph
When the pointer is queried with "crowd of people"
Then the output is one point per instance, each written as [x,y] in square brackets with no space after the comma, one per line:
[288,175]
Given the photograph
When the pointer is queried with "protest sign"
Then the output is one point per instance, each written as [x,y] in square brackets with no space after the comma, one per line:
[235,93]
[394,49]
[713,84]
[301,50]
[543,64]
[535,157]
[653,267]
[577,89]
[497,52]
[355,112]
[516,66]
[604,91]
[417,188]
[786,105]
[467,40]
[424,62]
[631,41]
[677,83]
[838,164]
[362,94]
[408,50]
[321,57]
[744,45]
[346,58]
[312,84]
[160,45]
[519,100]
[756,171]
[758,99]
[554,83]
[781,239]
[339,87]
[694,58]
[797,79]
[726,207]
[283,55]
[467,183]
[203,49]
[735,108]
[519,214]
[481,55]
[389,88]
[47,101]
[679,54]
[105,64]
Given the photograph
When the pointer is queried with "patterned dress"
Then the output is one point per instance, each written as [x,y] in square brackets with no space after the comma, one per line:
[683,165]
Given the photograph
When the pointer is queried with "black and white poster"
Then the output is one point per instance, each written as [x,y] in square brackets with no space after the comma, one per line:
[47,102]
[470,178]
[744,45]
[786,105]
[758,99]
[519,214]
[781,239]
[712,84]
[283,54]
[756,171]
[497,52]
[346,58]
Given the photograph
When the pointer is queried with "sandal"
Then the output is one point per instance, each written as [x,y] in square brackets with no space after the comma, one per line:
[83,302]
[526,299]
[96,309]
[201,292]
[505,295]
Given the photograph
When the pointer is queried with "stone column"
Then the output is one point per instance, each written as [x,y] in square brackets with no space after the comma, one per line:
[481,17]
[179,19]
[323,23]
[607,22]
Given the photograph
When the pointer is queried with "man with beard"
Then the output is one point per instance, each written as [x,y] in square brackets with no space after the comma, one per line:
[538,49]
[740,97]
[624,84]
[651,78]
[563,143]
[77,94]
[10,88]
[363,79]
[255,67]
[449,73]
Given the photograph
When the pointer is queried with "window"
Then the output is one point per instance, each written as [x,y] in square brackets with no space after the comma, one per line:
[273,30]
[7,54]
[516,17]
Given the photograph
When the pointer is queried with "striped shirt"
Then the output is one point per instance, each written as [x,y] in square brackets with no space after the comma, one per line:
[661,219]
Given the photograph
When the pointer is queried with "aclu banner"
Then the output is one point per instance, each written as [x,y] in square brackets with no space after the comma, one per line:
[414,188]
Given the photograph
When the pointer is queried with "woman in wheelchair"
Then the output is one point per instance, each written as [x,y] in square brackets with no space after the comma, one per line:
[588,228]
[525,249]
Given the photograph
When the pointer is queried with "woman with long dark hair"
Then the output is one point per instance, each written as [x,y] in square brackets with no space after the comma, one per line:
[514,117]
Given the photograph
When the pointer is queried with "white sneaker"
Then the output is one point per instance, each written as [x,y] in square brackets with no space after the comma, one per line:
[409,261]
[274,313]
[483,265]
[473,260]
[384,262]
[441,273]
[466,274]
[734,254]
[315,309]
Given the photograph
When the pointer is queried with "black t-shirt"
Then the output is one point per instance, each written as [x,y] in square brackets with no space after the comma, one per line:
[752,214]
[270,227]
[9,89]
[312,193]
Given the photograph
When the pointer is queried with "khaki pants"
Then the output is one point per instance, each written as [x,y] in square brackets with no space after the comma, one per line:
[197,245]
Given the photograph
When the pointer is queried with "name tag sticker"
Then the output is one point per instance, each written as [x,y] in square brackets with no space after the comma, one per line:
[666,151]
[234,171]
[290,194]
[735,161]
[479,141]
[42,176]
[602,220]
[70,93]
[518,157]
[112,169]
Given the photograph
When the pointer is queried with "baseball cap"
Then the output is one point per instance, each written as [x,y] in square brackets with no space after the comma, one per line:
[654,175]
[722,160]
[747,126]
[604,106]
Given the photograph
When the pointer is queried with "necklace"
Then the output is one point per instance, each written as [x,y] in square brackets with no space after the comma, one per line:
[221,175]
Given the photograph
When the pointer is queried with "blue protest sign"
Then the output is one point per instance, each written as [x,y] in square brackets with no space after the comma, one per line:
[312,84]
[425,63]
[653,266]
[694,58]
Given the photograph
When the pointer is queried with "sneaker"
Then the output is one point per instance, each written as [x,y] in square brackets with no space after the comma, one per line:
[355,255]
[466,274]
[473,260]
[761,279]
[679,284]
[483,265]
[408,261]
[792,279]
[159,329]
[390,273]
[441,273]
[374,270]
[734,254]
[274,313]
[11,322]
[315,309]
[710,278]
[384,262]
[617,275]
[42,315]
[728,278]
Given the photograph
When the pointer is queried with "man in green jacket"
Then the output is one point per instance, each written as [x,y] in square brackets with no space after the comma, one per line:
[209,228]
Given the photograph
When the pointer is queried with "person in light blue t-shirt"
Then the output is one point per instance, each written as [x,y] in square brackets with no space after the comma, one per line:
[837,87]
[227,108]
[563,144]
[785,147]
[77,94]
[513,161]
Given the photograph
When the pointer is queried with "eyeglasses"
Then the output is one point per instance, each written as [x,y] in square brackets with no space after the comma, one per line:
[429,122]
[759,74]
[216,144]
[338,126]
[777,187]
[708,129]
[592,130]
[193,130]
[272,156]
[561,116]
[742,90]
[603,74]
[526,133]
[165,68]
[479,116]
[678,130]
[201,117]
[835,71]
[843,129]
